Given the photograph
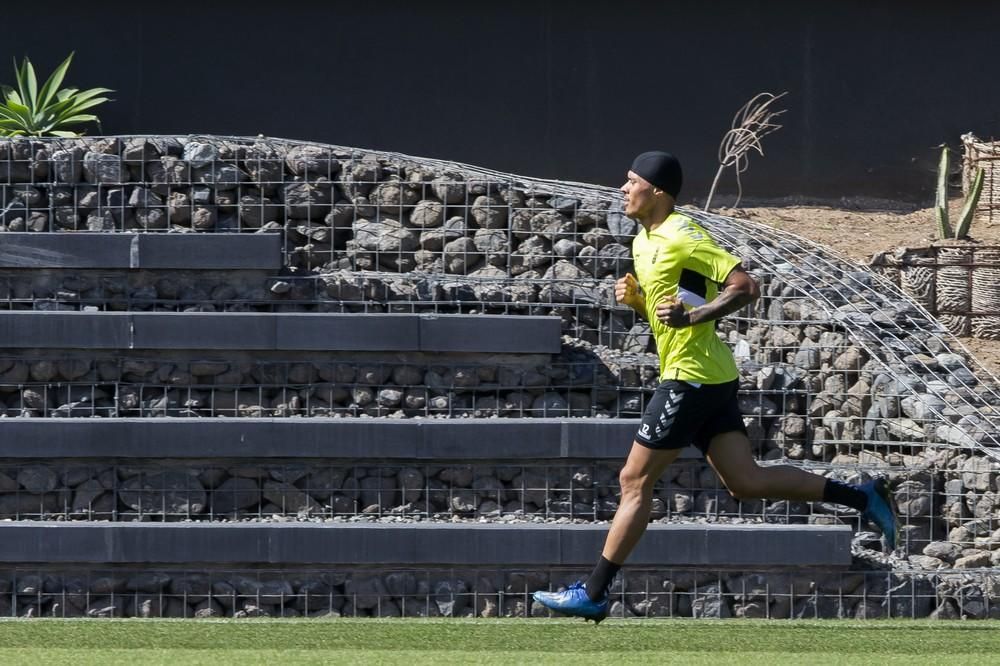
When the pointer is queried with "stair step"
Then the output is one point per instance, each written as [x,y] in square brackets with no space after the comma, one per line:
[417,544]
[522,439]
[268,331]
[216,251]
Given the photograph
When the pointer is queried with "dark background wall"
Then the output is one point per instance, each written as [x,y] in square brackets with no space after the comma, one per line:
[545,88]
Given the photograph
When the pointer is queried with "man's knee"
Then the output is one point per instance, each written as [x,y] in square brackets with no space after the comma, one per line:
[628,479]
[633,482]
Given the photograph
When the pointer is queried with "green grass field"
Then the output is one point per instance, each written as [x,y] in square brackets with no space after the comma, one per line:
[552,641]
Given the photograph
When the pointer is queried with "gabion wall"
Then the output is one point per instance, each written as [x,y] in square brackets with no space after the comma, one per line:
[840,371]
[489,593]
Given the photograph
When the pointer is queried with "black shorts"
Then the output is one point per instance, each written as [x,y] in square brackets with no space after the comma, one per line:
[680,414]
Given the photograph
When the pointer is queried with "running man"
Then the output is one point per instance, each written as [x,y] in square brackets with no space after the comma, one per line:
[684,282]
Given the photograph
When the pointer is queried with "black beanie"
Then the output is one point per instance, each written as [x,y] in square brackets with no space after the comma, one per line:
[661,169]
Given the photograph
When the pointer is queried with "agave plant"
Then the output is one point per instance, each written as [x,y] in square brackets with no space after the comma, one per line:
[28,110]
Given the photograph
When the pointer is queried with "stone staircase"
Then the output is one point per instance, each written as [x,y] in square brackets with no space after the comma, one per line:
[160,499]
[377,387]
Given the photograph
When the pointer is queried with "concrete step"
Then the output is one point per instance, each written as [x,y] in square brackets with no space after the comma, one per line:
[216,251]
[267,331]
[417,544]
[521,439]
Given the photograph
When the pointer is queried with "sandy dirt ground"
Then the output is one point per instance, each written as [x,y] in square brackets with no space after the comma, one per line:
[859,230]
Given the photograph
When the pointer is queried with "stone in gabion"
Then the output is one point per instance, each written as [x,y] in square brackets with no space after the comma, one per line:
[489,212]
[312,161]
[978,473]
[234,494]
[461,256]
[164,493]
[67,166]
[392,196]
[103,169]
[427,214]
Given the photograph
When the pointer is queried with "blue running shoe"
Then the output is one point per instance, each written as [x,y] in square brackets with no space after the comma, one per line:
[880,509]
[574,601]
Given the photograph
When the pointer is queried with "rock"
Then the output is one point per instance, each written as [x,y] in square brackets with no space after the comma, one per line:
[926,562]
[922,406]
[37,479]
[564,204]
[943,550]
[493,244]
[379,491]
[614,260]
[807,358]
[365,591]
[384,235]
[147,582]
[489,212]
[67,166]
[313,161]
[461,255]
[86,495]
[561,282]
[905,429]
[307,200]
[103,169]
[851,358]
[393,197]
[984,505]
[974,561]
[209,608]
[234,494]
[954,435]
[164,493]
[950,361]
[978,472]
[288,498]
[199,154]
[427,214]
[708,602]
[449,188]
[621,227]
[532,253]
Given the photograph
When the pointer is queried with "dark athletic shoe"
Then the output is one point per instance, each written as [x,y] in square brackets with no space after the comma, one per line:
[880,509]
[574,601]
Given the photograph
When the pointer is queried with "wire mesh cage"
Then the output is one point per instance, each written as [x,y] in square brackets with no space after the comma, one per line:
[485,592]
[982,154]
[840,371]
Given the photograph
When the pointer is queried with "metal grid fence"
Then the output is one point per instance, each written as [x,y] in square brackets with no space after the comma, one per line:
[938,505]
[840,371]
[405,592]
[980,153]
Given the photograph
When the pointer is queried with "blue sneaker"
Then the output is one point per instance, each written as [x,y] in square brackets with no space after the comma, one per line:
[880,509]
[574,601]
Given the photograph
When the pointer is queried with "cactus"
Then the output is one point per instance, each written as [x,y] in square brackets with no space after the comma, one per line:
[941,202]
[969,209]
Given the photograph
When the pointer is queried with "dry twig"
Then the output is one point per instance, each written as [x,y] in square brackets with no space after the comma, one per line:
[752,122]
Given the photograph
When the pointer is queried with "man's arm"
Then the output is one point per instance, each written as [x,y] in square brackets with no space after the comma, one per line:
[738,290]
[627,293]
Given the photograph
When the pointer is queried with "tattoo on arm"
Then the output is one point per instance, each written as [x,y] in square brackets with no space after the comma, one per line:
[738,290]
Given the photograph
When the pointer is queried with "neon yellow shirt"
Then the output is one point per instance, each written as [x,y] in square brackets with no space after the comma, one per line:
[679,258]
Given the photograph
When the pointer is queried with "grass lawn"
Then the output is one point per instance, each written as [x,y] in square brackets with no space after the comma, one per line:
[502,641]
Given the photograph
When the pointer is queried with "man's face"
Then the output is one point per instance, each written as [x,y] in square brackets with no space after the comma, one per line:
[639,196]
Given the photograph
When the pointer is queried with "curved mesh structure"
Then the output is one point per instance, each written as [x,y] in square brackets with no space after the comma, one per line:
[841,372]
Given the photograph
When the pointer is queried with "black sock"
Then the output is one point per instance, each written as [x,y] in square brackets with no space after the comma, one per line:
[601,578]
[844,493]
